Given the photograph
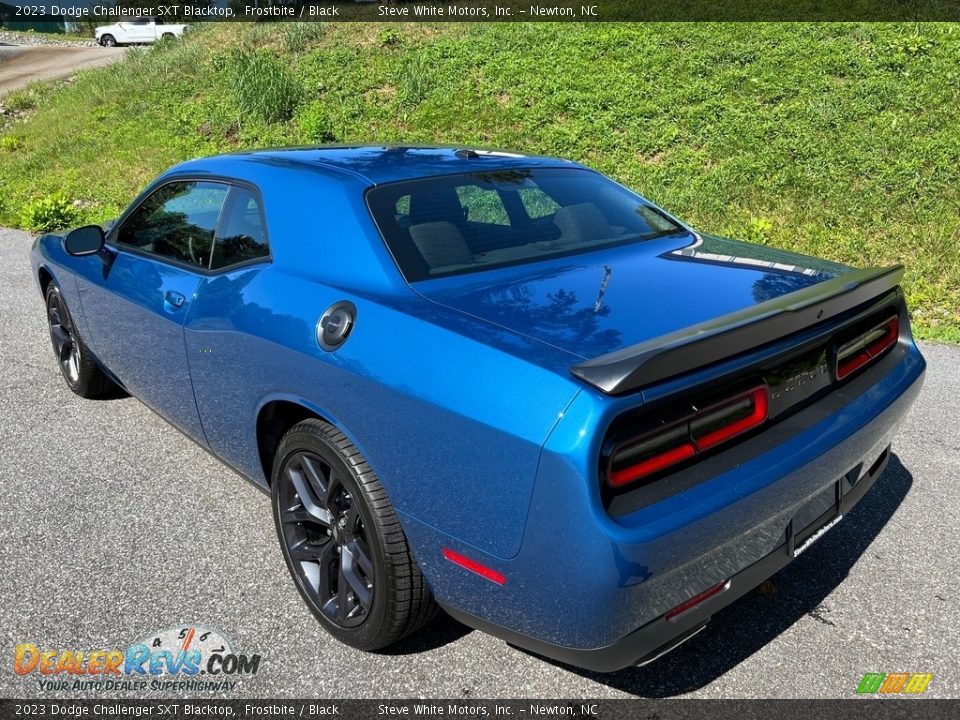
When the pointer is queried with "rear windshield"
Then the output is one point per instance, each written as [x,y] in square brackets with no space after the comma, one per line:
[467,223]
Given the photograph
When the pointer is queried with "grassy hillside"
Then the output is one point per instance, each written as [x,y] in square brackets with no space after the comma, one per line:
[836,140]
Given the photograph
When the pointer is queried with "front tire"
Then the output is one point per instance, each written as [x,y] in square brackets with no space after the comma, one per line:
[342,542]
[80,371]
[108,41]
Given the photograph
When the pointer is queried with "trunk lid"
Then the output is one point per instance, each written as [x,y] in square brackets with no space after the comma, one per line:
[596,303]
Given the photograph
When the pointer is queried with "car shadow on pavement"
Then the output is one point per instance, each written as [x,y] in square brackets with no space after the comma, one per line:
[756,619]
[114,392]
[442,631]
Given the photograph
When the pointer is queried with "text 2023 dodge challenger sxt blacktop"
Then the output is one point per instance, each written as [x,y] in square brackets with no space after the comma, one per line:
[498,383]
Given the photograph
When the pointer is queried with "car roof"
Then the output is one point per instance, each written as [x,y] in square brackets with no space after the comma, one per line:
[378,164]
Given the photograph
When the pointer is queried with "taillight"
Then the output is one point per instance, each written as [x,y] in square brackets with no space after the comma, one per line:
[682,440]
[732,418]
[867,347]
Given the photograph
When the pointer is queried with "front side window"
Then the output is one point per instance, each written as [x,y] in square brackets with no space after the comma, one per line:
[471,222]
[177,222]
[241,235]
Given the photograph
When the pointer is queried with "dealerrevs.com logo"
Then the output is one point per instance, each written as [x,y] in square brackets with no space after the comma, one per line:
[190,658]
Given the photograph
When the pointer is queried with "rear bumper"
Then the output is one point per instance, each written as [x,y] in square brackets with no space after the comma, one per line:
[660,636]
[592,589]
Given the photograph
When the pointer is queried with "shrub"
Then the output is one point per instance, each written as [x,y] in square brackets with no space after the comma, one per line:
[51,212]
[759,230]
[262,86]
[389,36]
[315,123]
[9,143]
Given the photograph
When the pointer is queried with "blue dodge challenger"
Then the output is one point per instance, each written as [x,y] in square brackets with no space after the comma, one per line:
[498,384]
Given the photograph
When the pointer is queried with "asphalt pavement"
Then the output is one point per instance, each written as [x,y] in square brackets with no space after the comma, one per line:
[113,526]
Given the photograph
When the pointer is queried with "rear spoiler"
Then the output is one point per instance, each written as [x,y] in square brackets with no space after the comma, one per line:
[700,345]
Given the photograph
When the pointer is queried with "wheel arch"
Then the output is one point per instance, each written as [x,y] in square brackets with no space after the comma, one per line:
[278,414]
[44,277]
[274,419]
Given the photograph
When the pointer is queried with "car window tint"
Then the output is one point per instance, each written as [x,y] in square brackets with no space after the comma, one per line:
[177,222]
[537,203]
[482,205]
[241,235]
[466,223]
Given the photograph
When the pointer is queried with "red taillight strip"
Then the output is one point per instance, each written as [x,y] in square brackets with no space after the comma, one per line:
[691,443]
[697,599]
[653,464]
[474,567]
[757,416]
[861,351]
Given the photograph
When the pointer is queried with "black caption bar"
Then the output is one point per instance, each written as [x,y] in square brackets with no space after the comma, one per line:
[865,709]
[486,10]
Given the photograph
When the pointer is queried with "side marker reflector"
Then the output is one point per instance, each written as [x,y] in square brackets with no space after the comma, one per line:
[474,567]
[697,599]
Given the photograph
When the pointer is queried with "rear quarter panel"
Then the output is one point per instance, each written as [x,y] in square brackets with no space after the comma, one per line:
[450,413]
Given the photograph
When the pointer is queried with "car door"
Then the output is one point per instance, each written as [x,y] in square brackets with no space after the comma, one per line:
[225,331]
[136,307]
[139,30]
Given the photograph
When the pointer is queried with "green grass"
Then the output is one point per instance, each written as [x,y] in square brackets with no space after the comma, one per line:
[839,140]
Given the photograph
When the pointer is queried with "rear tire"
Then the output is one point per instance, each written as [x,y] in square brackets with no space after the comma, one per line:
[80,371]
[342,541]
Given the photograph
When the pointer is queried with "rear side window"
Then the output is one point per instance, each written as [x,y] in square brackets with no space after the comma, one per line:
[471,222]
[241,235]
[177,221]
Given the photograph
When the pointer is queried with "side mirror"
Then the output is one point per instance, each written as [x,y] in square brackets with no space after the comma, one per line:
[86,240]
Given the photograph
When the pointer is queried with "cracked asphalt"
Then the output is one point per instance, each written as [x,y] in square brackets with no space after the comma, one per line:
[113,526]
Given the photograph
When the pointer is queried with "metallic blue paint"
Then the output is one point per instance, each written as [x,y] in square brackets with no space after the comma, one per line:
[458,392]
[601,301]
[138,334]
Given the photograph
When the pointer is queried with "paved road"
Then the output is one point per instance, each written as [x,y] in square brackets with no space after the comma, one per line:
[21,65]
[114,525]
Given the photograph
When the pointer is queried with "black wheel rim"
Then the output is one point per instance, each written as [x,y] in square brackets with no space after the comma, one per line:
[325,538]
[62,334]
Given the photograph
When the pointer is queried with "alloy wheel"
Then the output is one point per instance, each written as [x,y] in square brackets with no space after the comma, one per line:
[324,534]
[64,339]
